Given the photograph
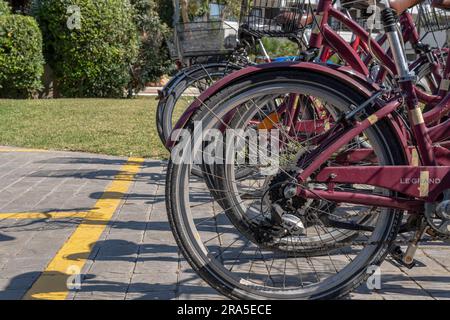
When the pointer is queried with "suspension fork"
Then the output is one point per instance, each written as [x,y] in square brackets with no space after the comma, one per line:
[406,81]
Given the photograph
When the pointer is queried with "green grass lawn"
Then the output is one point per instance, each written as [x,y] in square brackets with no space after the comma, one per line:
[114,127]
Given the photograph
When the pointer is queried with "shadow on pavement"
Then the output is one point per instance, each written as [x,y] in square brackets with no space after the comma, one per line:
[4,237]
[98,160]
[391,286]
[54,224]
[95,174]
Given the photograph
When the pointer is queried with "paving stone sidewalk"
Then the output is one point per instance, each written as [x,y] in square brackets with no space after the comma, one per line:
[136,256]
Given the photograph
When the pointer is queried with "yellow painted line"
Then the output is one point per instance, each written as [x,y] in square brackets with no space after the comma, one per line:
[52,284]
[22,150]
[43,215]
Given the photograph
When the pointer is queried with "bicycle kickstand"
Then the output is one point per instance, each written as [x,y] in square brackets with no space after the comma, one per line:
[406,258]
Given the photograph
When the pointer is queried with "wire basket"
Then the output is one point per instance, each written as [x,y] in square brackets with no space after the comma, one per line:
[211,38]
[432,19]
[274,18]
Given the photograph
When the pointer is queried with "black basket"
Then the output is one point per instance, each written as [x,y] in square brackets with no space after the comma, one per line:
[274,18]
[201,39]
[432,19]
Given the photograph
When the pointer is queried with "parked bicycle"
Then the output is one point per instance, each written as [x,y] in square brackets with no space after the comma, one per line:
[211,50]
[192,81]
[350,167]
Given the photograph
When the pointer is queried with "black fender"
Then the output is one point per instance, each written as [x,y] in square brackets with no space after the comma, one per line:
[188,72]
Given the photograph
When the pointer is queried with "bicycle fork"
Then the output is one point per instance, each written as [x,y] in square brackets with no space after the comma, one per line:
[406,80]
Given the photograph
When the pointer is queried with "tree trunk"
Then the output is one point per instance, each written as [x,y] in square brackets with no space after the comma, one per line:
[185,10]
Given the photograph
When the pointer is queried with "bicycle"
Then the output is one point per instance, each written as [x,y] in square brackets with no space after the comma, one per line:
[364,159]
[427,66]
[218,57]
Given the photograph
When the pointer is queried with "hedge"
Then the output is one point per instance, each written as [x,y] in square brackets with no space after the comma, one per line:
[4,8]
[92,58]
[21,60]
[153,60]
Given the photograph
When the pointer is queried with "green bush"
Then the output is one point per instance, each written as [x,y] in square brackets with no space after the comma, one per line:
[20,6]
[165,11]
[280,47]
[4,8]
[153,60]
[21,60]
[90,52]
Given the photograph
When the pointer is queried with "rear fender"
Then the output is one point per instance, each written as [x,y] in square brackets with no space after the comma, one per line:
[188,72]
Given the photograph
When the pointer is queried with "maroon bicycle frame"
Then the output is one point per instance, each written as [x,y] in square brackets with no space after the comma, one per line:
[417,183]
[324,37]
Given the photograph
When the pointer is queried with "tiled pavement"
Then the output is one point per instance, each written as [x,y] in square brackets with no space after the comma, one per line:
[136,256]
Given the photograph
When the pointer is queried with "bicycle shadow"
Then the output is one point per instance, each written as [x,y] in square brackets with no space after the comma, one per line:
[4,237]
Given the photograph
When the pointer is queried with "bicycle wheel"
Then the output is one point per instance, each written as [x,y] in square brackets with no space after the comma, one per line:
[241,263]
[182,92]
[248,175]
[241,195]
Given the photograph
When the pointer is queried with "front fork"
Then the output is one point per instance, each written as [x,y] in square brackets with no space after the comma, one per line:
[406,81]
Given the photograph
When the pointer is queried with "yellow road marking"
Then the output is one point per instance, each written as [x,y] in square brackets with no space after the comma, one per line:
[52,284]
[21,150]
[43,215]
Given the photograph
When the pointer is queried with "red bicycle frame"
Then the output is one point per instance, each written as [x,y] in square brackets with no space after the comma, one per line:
[417,183]
[325,38]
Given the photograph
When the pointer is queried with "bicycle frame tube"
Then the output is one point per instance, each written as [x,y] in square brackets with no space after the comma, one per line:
[319,37]
[409,33]
[430,181]
[442,108]
[426,182]
[325,38]
[345,50]
[335,142]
